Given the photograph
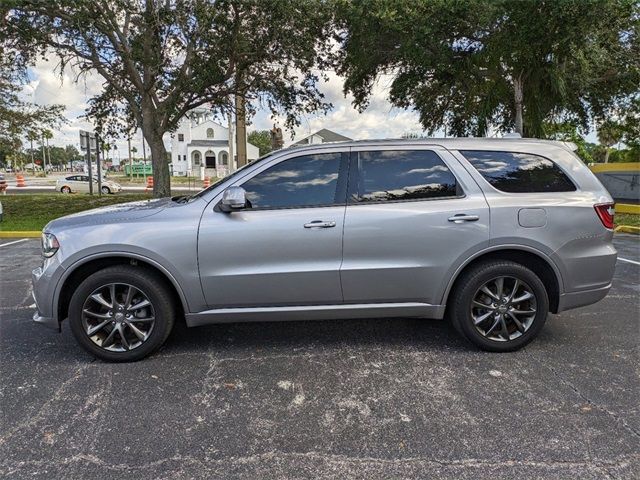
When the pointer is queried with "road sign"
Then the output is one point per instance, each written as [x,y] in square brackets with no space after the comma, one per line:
[88,140]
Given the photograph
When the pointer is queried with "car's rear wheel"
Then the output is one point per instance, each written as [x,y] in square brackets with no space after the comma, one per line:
[499,305]
[122,313]
[106,190]
[65,189]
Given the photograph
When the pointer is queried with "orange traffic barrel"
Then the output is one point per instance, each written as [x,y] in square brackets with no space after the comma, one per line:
[20,181]
[149,184]
[206,183]
[3,185]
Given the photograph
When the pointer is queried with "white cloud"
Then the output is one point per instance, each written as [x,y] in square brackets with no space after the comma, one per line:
[379,120]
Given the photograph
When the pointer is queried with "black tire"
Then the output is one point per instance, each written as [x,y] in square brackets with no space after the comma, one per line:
[65,189]
[106,190]
[156,291]
[466,289]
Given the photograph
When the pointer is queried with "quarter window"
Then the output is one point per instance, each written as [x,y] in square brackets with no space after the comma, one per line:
[309,180]
[396,175]
[519,172]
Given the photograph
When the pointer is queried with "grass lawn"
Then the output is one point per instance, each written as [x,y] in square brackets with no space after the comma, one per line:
[33,212]
[627,219]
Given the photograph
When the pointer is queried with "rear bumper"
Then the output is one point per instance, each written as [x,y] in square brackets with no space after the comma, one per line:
[567,301]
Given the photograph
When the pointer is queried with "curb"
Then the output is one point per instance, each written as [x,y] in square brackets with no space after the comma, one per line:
[627,229]
[627,208]
[20,234]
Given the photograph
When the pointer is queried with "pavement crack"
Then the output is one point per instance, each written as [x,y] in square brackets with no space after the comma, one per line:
[598,406]
[46,407]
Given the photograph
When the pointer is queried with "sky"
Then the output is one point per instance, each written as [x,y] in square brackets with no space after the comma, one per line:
[379,120]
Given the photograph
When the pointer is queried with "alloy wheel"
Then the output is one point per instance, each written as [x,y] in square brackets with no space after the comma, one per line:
[503,309]
[118,317]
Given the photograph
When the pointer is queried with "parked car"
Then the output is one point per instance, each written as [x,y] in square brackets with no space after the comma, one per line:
[490,233]
[80,183]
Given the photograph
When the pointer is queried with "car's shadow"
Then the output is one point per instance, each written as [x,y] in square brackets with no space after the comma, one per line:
[309,335]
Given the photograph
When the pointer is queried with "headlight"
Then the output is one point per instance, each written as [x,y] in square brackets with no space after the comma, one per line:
[50,244]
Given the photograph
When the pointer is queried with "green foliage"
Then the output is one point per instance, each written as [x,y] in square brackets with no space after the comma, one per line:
[261,139]
[160,59]
[458,63]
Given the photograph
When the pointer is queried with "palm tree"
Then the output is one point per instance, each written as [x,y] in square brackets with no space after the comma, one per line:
[46,135]
[31,136]
[609,133]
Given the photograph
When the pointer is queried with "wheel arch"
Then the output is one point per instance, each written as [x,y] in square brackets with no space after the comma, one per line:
[533,259]
[75,274]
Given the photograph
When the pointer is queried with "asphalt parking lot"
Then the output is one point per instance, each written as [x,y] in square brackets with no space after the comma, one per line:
[365,399]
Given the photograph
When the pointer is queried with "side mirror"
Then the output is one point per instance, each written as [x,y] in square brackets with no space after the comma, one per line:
[233,198]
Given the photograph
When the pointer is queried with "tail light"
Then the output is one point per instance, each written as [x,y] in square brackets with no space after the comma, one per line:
[606,212]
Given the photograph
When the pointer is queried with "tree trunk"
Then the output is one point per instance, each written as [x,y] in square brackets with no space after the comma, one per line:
[161,177]
[152,133]
[518,96]
[606,154]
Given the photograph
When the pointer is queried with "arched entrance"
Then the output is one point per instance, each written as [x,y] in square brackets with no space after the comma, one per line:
[210,159]
[195,159]
[224,158]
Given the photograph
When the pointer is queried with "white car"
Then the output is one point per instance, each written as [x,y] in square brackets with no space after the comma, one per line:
[80,183]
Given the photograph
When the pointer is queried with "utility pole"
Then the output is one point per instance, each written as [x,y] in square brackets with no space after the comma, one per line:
[232,160]
[144,150]
[98,160]
[241,130]
[130,160]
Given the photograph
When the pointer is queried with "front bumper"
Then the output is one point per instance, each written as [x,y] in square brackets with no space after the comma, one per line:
[43,281]
[46,321]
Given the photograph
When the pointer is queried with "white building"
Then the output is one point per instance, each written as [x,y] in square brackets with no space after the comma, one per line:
[321,136]
[200,147]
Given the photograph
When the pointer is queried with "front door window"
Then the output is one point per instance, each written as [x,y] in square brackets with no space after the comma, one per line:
[308,180]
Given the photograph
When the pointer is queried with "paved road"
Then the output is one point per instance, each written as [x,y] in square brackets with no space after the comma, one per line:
[365,399]
[176,189]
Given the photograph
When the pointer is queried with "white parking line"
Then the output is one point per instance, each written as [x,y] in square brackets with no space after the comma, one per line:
[11,243]
[628,261]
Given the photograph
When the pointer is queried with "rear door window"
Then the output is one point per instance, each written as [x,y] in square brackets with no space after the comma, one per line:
[519,172]
[400,175]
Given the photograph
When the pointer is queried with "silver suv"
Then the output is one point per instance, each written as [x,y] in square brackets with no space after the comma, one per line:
[490,233]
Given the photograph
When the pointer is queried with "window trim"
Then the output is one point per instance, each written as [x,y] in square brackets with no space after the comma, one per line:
[502,192]
[354,176]
[341,186]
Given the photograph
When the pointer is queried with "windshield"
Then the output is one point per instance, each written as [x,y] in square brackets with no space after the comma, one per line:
[230,177]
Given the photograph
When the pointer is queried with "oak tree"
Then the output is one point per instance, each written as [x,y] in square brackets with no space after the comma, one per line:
[471,65]
[159,59]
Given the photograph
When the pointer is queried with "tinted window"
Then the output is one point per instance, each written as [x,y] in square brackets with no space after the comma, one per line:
[519,172]
[403,175]
[302,181]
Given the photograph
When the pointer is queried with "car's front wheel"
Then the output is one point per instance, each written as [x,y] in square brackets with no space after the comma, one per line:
[121,313]
[499,305]
[106,190]
[65,189]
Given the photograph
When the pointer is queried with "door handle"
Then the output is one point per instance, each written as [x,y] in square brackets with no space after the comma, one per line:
[461,217]
[319,224]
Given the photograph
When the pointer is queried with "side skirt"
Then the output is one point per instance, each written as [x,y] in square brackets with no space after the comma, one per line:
[315,312]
